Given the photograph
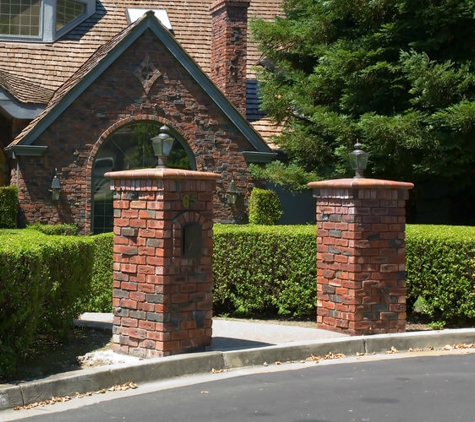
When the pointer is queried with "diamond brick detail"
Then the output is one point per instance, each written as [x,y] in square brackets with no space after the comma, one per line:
[147,73]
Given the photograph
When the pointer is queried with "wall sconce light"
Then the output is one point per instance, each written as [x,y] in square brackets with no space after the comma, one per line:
[162,146]
[358,160]
[232,193]
[55,187]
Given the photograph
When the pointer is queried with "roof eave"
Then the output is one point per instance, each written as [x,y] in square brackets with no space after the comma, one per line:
[258,157]
[25,150]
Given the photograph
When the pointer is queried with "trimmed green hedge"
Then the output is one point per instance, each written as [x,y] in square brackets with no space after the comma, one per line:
[45,281]
[41,279]
[264,270]
[55,229]
[264,207]
[441,272]
[99,297]
[270,270]
[8,207]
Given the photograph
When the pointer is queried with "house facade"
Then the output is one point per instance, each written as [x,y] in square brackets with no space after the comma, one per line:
[85,85]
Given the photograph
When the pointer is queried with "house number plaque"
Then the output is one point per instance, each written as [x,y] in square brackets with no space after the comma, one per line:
[189,201]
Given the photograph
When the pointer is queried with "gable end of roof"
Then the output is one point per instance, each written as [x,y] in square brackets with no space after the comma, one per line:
[107,54]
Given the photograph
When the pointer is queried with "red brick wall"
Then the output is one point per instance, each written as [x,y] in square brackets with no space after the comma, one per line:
[115,98]
[361,280]
[229,49]
[162,300]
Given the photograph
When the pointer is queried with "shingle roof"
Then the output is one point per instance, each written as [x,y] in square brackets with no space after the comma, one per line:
[106,54]
[23,90]
[47,67]
[50,65]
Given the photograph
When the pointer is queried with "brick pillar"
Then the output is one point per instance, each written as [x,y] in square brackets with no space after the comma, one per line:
[361,279]
[163,220]
[229,49]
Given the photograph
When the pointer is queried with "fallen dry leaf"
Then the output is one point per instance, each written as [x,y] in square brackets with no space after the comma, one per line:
[54,400]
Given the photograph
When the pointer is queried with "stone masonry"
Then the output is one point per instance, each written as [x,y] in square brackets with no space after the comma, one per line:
[229,49]
[163,247]
[361,279]
[116,99]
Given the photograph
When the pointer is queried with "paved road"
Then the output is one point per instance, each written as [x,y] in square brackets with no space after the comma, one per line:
[419,389]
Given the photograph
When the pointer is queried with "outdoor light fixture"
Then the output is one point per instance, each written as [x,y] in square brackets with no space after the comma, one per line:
[162,146]
[232,193]
[358,160]
[55,186]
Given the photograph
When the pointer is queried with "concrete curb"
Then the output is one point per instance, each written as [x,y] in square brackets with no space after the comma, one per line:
[95,379]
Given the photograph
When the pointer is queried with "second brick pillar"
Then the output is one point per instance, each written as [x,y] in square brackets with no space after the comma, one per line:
[361,279]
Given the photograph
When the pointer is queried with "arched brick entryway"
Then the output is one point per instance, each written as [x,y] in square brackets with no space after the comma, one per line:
[125,147]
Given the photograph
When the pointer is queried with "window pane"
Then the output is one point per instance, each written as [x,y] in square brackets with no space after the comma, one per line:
[20,17]
[67,11]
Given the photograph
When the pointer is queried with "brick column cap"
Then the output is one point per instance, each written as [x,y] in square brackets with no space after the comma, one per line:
[162,173]
[359,183]
[219,4]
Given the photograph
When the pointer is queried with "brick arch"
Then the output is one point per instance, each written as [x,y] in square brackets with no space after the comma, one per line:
[176,132]
[182,220]
[135,119]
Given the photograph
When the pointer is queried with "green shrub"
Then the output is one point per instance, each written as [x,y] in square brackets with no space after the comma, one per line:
[440,272]
[69,261]
[265,270]
[8,207]
[99,297]
[41,279]
[21,287]
[55,229]
[264,207]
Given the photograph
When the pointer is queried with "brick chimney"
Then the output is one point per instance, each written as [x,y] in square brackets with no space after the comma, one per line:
[229,49]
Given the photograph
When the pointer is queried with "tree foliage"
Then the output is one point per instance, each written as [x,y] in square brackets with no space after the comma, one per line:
[397,75]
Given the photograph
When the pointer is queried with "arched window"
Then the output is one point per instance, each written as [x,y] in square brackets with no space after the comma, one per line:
[129,148]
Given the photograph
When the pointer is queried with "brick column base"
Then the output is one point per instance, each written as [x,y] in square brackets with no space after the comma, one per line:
[361,279]
[163,248]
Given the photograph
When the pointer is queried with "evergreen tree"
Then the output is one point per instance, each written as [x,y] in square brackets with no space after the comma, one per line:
[397,75]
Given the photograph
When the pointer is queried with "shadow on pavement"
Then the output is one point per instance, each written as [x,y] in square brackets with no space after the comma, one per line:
[222,344]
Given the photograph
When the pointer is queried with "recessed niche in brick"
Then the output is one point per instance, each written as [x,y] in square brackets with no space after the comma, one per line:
[192,241]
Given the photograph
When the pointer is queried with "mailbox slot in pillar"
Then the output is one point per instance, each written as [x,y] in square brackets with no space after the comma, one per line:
[191,241]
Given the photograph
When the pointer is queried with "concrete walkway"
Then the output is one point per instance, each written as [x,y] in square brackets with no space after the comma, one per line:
[235,344]
[236,335]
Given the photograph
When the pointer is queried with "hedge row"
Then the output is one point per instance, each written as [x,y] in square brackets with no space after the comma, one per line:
[8,206]
[41,279]
[99,296]
[441,272]
[270,270]
[264,270]
[45,281]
